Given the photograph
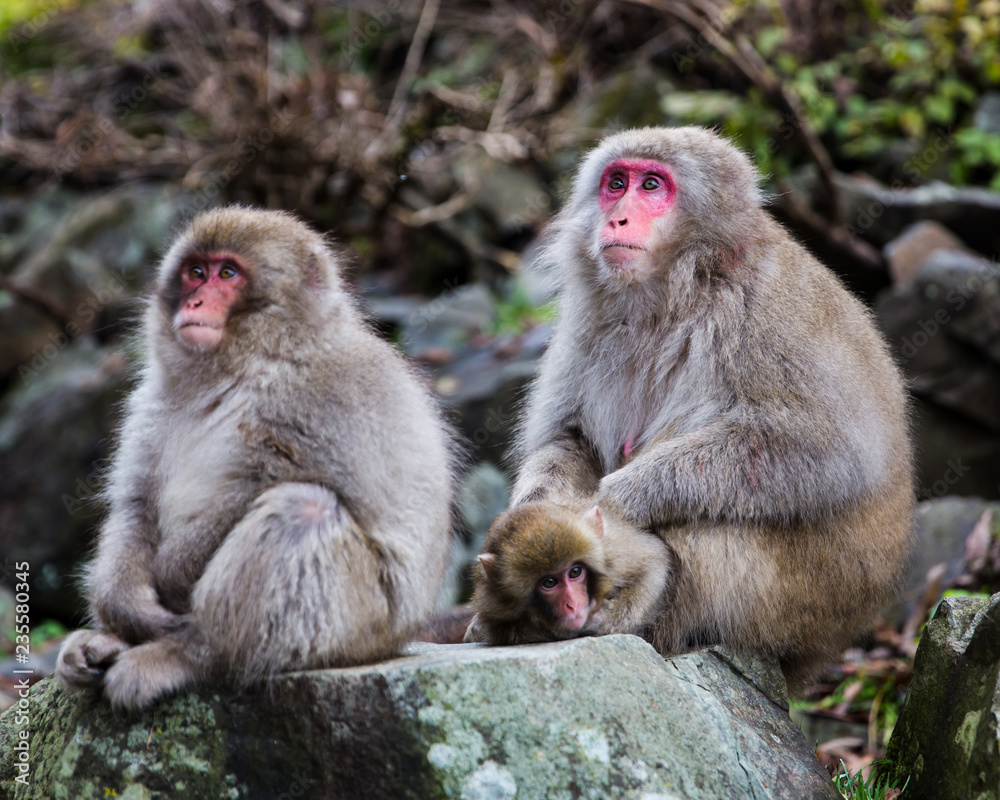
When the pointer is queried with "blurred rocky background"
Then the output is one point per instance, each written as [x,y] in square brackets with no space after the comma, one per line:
[433,139]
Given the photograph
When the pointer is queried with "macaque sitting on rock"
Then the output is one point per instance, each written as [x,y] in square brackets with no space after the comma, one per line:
[281,494]
[712,384]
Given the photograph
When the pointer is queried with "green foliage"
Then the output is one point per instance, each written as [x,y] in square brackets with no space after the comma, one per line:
[515,312]
[47,630]
[857,696]
[900,83]
[28,13]
[978,149]
[855,787]
[964,593]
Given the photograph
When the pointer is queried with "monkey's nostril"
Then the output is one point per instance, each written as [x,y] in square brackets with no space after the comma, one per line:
[623,222]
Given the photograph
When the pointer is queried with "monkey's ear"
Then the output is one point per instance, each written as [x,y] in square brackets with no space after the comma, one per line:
[488,561]
[595,520]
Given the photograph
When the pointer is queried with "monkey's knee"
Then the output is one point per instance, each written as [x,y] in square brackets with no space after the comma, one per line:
[84,658]
[297,583]
[290,510]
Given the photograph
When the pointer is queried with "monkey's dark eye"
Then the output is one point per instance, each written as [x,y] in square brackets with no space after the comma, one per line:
[616,184]
[228,271]
[575,571]
[196,272]
[651,183]
[548,583]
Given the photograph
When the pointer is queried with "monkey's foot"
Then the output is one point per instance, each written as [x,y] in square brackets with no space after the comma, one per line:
[85,656]
[146,673]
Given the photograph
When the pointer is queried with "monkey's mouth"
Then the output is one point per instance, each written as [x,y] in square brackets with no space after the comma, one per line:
[199,325]
[621,244]
[622,257]
[200,336]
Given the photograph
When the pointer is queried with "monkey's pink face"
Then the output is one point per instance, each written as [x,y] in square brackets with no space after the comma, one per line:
[567,597]
[633,196]
[211,284]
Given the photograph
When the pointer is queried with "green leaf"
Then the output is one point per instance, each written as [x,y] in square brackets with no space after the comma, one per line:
[770,39]
[940,108]
[912,123]
[700,107]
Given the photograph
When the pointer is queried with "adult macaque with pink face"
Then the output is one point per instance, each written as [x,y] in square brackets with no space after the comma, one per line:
[281,492]
[712,383]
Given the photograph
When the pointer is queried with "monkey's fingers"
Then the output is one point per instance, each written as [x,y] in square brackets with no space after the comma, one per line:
[84,658]
[474,633]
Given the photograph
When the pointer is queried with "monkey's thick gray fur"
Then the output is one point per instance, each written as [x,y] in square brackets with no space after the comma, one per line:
[282,502]
[771,446]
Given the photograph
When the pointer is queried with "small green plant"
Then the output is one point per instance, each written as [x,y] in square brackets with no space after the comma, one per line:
[516,312]
[878,786]
[897,97]
[47,630]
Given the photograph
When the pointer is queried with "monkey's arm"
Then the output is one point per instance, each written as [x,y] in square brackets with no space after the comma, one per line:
[563,468]
[123,599]
[119,579]
[556,460]
[641,566]
[739,471]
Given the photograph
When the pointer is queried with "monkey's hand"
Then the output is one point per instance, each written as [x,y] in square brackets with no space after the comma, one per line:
[85,657]
[134,613]
[600,622]
[475,632]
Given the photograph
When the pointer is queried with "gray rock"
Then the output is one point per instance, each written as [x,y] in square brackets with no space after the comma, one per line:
[628,98]
[880,213]
[944,326]
[54,444]
[511,196]
[483,495]
[91,262]
[942,527]
[486,387]
[987,116]
[590,718]
[945,741]
[910,251]
[448,321]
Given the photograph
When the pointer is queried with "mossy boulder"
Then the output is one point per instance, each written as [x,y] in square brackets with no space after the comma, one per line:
[945,742]
[590,718]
